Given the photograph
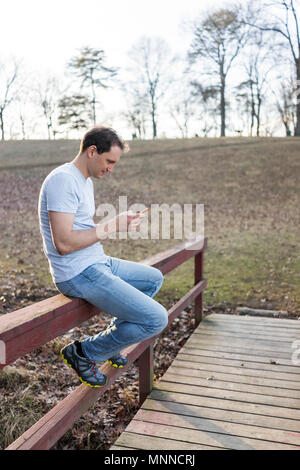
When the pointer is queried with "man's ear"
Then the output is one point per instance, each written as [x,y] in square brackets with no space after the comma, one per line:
[91,151]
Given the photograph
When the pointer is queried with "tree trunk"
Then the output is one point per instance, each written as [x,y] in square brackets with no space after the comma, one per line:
[297,130]
[258,114]
[22,119]
[253,113]
[287,129]
[223,111]
[154,127]
[153,116]
[2,124]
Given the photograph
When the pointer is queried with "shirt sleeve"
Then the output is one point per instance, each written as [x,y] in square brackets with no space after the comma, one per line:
[62,194]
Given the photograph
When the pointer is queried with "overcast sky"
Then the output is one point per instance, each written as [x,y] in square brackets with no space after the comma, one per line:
[46,34]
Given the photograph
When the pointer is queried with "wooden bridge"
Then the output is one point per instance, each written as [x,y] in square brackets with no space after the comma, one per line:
[232,386]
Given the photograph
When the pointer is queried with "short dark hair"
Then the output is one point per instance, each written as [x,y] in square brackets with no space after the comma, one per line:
[103,138]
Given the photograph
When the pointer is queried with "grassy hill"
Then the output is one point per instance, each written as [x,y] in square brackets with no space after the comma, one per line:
[251,197]
[250,189]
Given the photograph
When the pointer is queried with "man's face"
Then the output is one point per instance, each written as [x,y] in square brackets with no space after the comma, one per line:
[101,164]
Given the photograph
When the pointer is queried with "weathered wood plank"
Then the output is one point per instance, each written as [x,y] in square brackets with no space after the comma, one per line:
[294,370]
[258,347]
[229,416]
[217,439]
[213,425]
[229,349]
[290,388]
[213,382]
[241,319]
[145,365]
[143,442]
[227,404]
[42,328]
[179,306]
[198,276]
[233,321]
[236,370]
[169,259]
[268,333]
[292,403]
[239,357]
[122,448]
[18,322]
[246,334]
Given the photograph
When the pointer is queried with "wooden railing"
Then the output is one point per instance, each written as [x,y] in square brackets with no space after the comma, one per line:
[27,329]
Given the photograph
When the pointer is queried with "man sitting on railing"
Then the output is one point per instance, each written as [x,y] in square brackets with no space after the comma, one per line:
[79,266]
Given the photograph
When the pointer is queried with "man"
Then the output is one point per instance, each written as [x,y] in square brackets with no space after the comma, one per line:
[79,266]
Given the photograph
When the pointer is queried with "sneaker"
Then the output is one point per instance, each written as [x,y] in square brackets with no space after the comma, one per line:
[118,361]
[86,370]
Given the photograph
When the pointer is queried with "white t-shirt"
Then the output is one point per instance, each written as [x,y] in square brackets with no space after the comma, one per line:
[65,189]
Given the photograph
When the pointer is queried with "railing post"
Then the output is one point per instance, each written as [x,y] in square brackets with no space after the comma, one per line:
[198,310]
[145,364]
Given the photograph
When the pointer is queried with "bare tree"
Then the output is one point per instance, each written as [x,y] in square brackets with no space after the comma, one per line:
[7,79]
[286,106]
[136,120]
[22,115]
[182,109]
[136,109]
[152,60]
[48,96]
[257,66]
[285,23]
[208,99]
[217,41]
[90,67]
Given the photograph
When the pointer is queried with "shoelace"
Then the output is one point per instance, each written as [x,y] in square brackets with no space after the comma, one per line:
[93,364]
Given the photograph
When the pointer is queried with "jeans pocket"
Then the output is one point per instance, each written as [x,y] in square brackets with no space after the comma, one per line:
[68,288]
[93,272]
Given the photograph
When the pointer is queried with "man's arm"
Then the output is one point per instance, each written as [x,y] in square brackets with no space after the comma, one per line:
[66,240]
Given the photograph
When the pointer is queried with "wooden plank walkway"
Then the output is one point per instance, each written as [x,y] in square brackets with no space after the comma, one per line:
[232,386]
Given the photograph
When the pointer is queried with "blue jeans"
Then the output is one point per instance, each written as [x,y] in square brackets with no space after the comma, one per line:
[123,289]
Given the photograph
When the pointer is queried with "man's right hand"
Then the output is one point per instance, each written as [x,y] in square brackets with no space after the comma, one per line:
[124,222]
[129,220]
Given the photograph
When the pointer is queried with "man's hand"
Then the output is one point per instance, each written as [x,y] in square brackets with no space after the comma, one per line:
[124,222]
[129,221]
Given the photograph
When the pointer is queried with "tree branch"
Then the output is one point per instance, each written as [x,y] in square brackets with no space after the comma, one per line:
[297,26]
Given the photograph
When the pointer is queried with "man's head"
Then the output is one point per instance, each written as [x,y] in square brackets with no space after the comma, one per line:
[103,148]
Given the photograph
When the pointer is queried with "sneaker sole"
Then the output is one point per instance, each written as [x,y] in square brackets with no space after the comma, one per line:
[115,365]
[81,380]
